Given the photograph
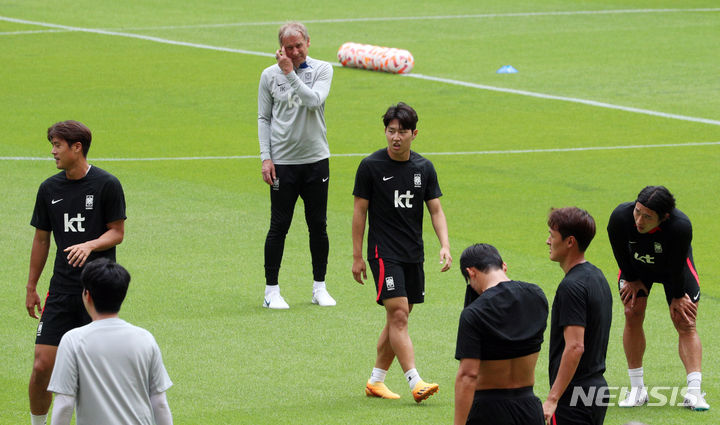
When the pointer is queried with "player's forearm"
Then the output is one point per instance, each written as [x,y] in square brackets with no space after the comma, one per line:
[315,96]
[441,229]
[568,365]
[62,411]
[161,409]
[38,258]
[464,392]
[112,237]
[358,232]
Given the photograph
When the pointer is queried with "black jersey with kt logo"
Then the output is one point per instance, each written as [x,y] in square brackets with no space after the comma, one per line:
[397,192]
[76,211]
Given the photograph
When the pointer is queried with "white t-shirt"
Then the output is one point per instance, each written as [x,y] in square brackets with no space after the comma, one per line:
[112,368]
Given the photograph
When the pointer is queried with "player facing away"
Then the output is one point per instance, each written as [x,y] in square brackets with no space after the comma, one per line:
[83,207]
[650,239]
[294,152]
[579,325]
[110,370]
[498,343]
[391,186]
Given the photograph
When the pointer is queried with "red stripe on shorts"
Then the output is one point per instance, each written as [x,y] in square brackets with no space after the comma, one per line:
[381,278]
[693,271]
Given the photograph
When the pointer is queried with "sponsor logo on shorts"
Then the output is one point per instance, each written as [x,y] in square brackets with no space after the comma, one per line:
[390,283]
[276,184]
[610,396]
[39,331]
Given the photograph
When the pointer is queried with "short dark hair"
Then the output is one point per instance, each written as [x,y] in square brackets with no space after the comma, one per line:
[658,199]
[71,132]
[107,282]
[573,221]
[404,113]
[482,256]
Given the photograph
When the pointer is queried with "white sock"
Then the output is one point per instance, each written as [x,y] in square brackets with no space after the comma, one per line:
[413,378]
[38,419]
[318,285]
[694,382]
[378,375]
[636,378]
[269,289]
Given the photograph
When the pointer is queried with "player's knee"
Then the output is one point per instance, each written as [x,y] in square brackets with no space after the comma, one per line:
[399,319]
[634,315]
[683,325]
[42,369]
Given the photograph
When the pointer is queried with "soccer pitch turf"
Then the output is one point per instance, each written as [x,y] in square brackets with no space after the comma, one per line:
[610,96]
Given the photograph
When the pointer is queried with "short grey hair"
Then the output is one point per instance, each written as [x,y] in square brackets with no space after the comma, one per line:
[292,28]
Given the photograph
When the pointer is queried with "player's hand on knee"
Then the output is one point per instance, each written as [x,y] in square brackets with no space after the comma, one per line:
[683,311]
[629,291]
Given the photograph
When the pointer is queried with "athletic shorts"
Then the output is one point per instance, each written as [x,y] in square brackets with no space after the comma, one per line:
[516,406]
[691,283]
[394,280]
[565,414]
[61,313]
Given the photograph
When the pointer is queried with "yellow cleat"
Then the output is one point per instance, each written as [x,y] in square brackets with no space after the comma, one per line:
[379,389]
[424,390]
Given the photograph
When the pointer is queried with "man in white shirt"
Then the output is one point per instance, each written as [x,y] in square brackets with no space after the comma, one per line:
[111,370]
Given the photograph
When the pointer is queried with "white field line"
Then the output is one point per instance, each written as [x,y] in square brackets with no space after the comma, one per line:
[497,152]
[419,76]
[405,18]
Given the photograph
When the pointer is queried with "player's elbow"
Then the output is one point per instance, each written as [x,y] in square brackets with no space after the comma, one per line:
[575,348]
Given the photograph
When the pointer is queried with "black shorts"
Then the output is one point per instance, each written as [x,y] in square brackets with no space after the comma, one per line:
[61,313]
[580,414]
[394,280]
[691,282]
[517,406]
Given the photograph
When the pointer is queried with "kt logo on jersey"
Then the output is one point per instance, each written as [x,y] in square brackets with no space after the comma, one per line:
[74,224]
[403,201]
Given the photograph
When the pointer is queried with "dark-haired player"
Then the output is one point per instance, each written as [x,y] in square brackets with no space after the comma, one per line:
[579,326]
[84,209]
[391,186]
[498,343]
[651,242]
[110,371]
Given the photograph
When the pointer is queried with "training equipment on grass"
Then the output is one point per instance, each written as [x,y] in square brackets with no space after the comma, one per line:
[376,58]
[507,69]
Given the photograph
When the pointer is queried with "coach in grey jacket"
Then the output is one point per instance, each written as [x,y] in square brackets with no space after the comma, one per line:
[294,152]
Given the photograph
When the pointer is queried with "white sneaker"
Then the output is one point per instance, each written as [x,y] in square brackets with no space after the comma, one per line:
[636,397]
[696,402]
[322,298]
[275,301]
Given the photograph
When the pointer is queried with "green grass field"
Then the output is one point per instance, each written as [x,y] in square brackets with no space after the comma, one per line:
[196,227]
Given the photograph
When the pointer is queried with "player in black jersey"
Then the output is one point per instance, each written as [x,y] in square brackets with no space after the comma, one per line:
[651,240]
[84,209]
[579,326]
[391,186]
[498,343]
